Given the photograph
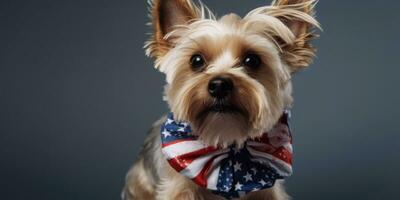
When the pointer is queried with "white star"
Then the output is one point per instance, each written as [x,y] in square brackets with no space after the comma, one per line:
[254,170]
[238,186]
[237,166]
[262,182]
[248,177]
[166,133]
[185,124]
[181,129]
[169,121]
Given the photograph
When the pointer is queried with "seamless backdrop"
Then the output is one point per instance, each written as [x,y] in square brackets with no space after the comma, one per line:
[77,95]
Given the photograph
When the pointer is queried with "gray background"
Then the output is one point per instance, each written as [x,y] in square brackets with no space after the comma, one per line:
[77,95]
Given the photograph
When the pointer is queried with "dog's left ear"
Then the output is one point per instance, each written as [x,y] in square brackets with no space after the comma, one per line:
[298,16]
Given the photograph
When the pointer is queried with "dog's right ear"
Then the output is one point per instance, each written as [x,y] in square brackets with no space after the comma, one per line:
[166,16]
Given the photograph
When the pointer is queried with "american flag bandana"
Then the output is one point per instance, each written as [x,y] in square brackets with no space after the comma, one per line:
[229,172]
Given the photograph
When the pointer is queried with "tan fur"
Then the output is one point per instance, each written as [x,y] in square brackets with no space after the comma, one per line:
[300,53]
[162,11]
[138,185]
[224,47]
[279,34]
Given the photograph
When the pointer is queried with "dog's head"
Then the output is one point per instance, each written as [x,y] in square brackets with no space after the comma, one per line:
[230,77]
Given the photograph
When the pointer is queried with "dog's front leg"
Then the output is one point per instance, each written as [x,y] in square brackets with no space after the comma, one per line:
[174,186]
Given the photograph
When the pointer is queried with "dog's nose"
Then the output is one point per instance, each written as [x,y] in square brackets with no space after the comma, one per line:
[220,87]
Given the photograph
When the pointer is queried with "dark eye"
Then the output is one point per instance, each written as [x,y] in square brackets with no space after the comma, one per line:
[197,61]
[252,61]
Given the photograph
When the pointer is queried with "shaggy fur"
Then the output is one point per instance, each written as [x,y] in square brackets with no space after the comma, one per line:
[279,34]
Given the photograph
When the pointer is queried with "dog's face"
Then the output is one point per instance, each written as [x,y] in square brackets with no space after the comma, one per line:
[230,78]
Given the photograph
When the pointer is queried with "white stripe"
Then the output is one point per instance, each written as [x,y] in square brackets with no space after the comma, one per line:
[255,144]
[192,170]
[284,171]
[181,148]
[212,179]
[279,165]
[289,147]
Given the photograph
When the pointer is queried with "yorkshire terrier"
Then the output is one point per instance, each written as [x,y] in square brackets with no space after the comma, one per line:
[229,79]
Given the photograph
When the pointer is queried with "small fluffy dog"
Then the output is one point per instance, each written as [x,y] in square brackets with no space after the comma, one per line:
[229,78]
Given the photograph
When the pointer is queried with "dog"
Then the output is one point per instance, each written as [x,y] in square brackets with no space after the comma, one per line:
[229,78]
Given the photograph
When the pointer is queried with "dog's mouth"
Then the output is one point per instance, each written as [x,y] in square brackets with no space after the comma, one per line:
[221,124]
[223,108]
[220,108]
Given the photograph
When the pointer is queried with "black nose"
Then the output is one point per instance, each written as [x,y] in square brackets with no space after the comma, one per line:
[220,87]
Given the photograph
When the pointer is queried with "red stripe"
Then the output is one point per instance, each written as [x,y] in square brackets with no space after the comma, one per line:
[176,142]
[201,179]
[181,162]
[284,155]
[281,153]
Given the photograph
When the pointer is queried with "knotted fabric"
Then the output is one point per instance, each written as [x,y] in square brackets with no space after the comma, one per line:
[229,172]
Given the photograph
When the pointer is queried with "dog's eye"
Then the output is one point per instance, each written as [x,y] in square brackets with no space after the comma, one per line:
[197,61]
[252,61]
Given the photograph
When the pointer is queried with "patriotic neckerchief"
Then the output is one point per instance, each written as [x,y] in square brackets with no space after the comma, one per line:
[229,172]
